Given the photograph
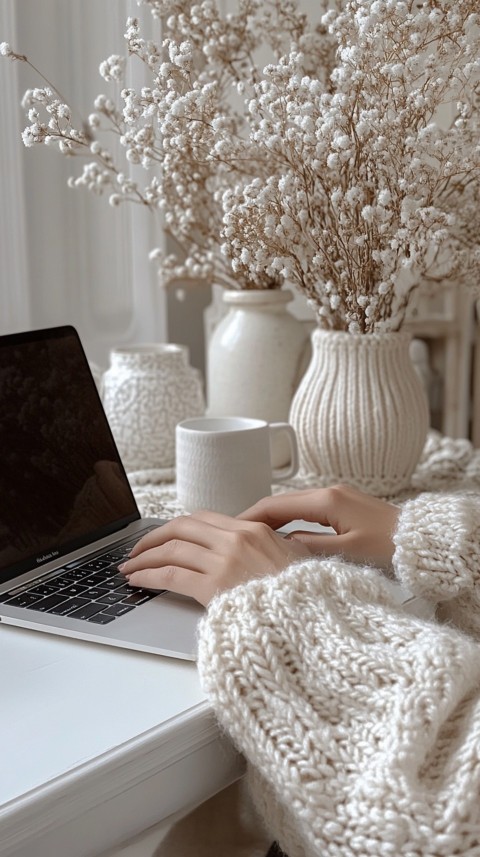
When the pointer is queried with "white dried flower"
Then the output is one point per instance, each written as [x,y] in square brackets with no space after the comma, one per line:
[381,177]
[113,68]
[324,165]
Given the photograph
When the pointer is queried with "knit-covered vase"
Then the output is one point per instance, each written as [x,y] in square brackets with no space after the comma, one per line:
[361,412]
[147,390]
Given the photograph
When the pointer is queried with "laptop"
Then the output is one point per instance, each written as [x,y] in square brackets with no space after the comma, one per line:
[68,516]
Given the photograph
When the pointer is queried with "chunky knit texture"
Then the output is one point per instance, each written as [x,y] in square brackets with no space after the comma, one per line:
[437,555]
[360,723]
[360,412]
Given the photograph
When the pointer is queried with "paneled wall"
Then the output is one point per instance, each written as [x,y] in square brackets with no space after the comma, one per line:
[68,257]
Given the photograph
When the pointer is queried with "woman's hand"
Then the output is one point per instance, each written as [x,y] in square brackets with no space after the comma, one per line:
[205,553]
[363,525]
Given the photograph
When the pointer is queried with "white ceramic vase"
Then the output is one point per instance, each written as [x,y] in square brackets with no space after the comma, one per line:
[255,359]
[361,412]
[147,390]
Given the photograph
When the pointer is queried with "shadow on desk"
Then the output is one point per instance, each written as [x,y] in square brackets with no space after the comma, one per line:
[224,826]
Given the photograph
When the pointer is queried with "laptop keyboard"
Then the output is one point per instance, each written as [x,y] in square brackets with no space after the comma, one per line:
[91,589]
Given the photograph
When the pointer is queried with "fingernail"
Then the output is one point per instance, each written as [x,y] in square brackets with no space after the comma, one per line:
[121,566]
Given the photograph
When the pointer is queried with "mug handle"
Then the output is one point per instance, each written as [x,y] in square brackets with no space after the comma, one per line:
[280,474]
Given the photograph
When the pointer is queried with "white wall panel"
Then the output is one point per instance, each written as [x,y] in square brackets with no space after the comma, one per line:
[88,262]
[14,273]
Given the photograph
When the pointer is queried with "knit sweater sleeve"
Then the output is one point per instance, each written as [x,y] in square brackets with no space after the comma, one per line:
[360,723]
[437,554]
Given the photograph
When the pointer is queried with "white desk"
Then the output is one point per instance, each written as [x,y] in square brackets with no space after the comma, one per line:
[98,744]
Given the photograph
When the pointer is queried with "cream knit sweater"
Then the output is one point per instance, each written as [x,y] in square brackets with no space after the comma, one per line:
[360,723]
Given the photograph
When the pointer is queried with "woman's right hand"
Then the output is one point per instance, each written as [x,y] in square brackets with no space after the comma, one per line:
[363,525]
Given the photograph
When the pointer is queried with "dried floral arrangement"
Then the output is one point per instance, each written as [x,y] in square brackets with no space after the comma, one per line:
[187,127]
[371,195]
[330,168]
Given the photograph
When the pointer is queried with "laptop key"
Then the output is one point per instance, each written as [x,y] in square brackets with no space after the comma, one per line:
[119,609]
[126,589]
[101,619]
[95,564]
[46,604]
[111,571]
[68,606]
[119,578]
[95,592]
[94,580]
[25,599]
[109,598]
[87,611]
[75,589]
[59,581]
[113,583]
[139,597]
[75,575]
[43,589]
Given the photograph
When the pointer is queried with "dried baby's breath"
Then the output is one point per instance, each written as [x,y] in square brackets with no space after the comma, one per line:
[188,128]
[371,194]
[328,165]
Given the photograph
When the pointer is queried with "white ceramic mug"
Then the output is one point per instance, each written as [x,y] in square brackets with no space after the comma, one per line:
[224,463]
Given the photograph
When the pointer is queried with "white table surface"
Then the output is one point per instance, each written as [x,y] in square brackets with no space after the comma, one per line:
[98,743]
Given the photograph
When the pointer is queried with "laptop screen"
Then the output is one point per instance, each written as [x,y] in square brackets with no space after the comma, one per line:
[62,483]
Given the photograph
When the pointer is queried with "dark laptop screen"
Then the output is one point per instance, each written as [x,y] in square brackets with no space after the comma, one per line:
[62,484]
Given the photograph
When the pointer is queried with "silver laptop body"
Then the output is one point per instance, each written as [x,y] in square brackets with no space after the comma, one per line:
[67,512]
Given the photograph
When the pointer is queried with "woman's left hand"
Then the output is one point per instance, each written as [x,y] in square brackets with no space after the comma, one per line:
[205,553]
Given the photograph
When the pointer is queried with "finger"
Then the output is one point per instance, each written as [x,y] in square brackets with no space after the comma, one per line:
[198,528]
[197,543]
[310,505]
[175,552]
[181,581]
[324,544]
[218,519]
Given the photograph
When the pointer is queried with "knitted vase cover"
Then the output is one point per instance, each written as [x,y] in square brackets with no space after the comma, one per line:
[146,391]
[361,413]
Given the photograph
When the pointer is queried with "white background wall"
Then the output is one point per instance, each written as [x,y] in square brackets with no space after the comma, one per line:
[67,257]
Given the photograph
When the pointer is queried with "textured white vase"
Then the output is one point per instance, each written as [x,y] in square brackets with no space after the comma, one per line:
[361,412]
[255,358]
[147,390]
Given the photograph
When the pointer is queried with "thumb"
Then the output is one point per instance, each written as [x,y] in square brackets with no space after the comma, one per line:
[328,544]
